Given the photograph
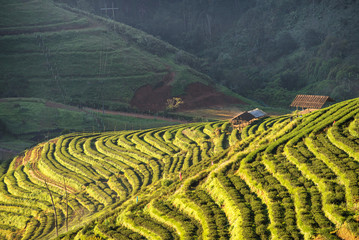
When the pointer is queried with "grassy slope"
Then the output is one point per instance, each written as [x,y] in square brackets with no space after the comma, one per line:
[30,120]
[288,177]
[269,51]
[69,56]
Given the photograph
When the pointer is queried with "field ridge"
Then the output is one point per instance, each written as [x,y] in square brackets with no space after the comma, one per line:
[286,177]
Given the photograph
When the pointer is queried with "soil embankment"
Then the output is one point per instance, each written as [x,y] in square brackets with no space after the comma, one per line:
[197,95]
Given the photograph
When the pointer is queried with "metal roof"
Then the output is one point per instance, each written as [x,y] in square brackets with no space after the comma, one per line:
[257,113]
[310,101]
[246,116]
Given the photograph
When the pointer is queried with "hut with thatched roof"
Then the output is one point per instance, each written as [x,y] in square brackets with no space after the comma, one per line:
[310,101]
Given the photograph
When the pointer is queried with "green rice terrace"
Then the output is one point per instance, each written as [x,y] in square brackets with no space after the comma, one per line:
[286,177]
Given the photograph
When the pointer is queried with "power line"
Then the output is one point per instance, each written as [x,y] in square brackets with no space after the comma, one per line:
[111,8]
[113,12]
[51,65]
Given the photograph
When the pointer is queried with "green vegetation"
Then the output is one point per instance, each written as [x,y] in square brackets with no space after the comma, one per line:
[52,51]
[265,50]
[283,177]
[27,121]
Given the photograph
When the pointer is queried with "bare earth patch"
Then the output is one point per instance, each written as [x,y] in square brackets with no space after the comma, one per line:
[198,95]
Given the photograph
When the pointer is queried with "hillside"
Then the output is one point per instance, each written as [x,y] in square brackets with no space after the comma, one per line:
[24,122]
[286,177]
[265,50]
[55,52]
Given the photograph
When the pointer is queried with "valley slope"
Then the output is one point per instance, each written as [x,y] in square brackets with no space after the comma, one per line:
[286,177]
[52,51]
[265,50]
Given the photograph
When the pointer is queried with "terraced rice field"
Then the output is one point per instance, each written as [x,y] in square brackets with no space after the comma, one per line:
[287,177]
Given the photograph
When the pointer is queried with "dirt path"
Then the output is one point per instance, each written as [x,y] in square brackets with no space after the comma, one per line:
[136,115]
[127,114]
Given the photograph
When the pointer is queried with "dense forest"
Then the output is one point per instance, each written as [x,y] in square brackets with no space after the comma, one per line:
[265,50]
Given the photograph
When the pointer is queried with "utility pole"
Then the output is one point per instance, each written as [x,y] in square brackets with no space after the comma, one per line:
[53,205]
[113,12]
[111,8]
[103,63]
[67,207]
[51,65]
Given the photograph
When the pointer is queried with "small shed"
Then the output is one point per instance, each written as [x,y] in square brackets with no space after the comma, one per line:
[245,118]
[242,117]
[310,101]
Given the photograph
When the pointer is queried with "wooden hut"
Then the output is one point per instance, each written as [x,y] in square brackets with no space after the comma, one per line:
[245,118]
[310,101]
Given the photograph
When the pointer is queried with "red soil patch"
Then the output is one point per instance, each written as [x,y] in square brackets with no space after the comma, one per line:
[153,98]
[18,161]
[198,95]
